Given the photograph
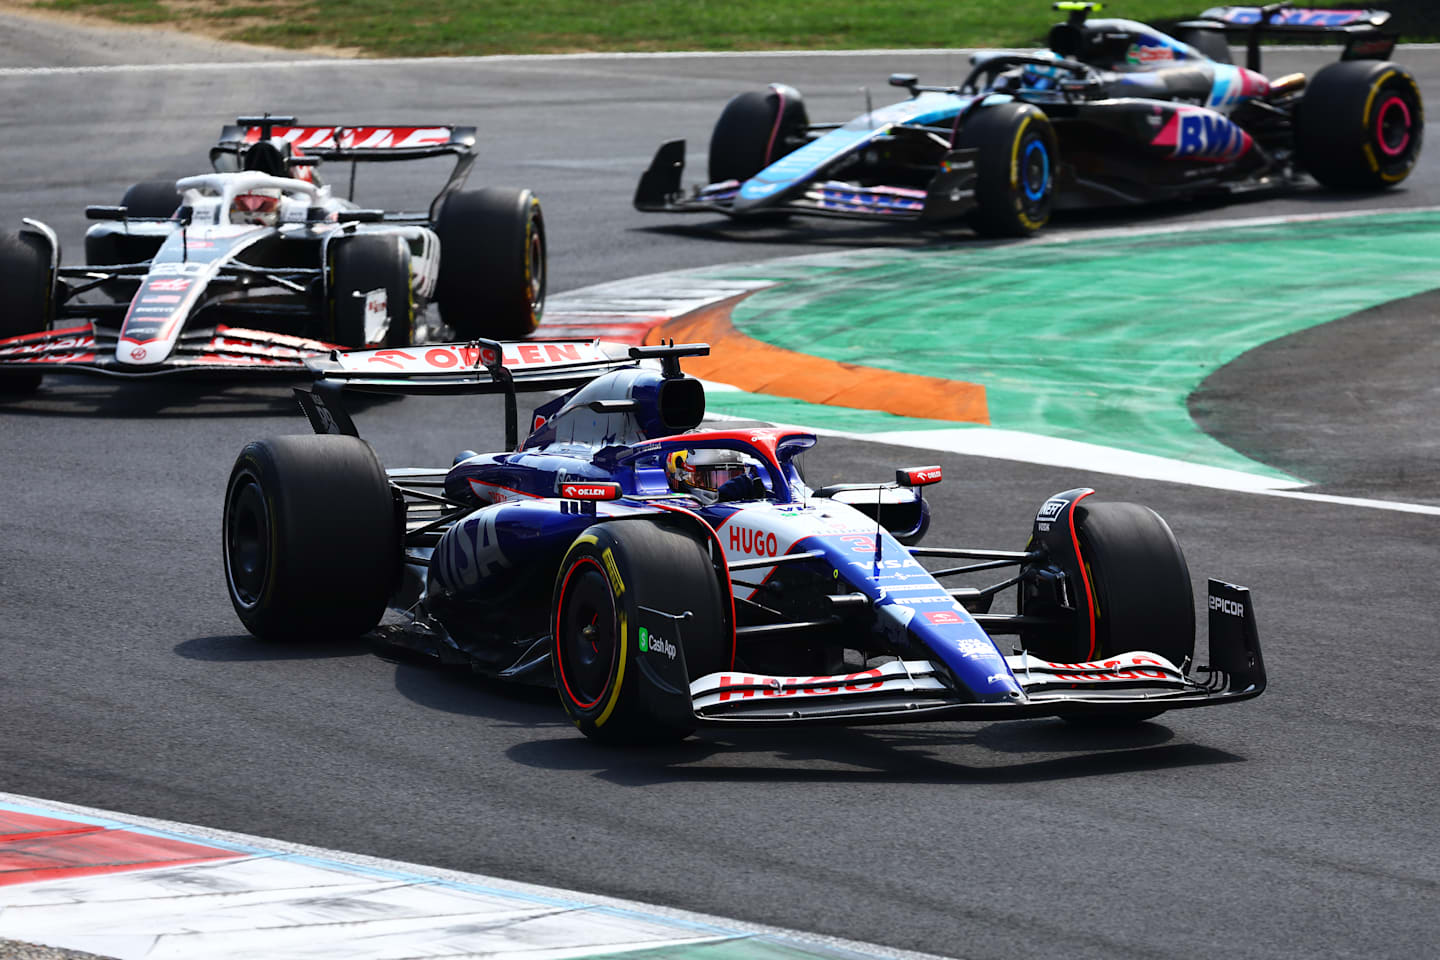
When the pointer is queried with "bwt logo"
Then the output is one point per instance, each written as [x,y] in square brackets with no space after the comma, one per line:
[1210,135]
[1231,607]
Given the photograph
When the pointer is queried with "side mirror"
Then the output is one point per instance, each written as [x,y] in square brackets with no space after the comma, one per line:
[105,213]
[906,80]
[361,216]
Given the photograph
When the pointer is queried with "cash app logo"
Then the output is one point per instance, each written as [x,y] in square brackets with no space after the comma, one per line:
[644,640]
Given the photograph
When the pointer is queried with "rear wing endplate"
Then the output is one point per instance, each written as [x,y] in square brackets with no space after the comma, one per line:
[1359,29]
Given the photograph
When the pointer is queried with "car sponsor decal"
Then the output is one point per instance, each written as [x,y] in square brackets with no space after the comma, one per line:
[356,138]
[469,551]
[1137,666]
[652,643]
[1234,84]
[1295,17]
[1200,134]
[466,356]
[738,689]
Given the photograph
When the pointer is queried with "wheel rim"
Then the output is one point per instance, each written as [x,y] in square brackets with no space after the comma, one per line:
[535,267]
[1393,126]
[586,633]
[247,542]
[1035,172]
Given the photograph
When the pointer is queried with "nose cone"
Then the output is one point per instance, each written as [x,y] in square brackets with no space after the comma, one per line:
[757,193]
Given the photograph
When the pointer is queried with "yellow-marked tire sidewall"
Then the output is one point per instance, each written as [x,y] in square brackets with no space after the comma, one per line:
[1403,83]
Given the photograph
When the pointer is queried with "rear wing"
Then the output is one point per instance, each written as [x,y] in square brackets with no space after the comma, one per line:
[1360,30]
[311,143]
[333,141]
[477,367]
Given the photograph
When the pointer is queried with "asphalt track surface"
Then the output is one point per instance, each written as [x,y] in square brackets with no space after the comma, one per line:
[1298,825]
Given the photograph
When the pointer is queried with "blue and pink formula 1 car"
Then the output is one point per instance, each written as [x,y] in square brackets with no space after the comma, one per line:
[666,576]
[1113,112]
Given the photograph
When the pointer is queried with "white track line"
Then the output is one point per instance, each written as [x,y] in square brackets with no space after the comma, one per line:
[675,293]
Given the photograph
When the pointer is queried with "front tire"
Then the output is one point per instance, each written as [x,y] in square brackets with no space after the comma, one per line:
[27,298]
[1360,126]
[622,670]
[312,543]
[1015,168]
[754,130]
[1139,591]
[361,267]
[492,263]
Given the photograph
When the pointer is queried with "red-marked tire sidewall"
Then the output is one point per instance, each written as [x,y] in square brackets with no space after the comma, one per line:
[1361,125]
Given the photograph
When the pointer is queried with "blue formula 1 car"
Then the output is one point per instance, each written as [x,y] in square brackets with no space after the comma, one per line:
[1113,112]
[665,576]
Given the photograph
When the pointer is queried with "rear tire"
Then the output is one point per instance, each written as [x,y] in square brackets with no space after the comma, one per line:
[1141,592]
[149,198]
[1360,126]
[360,266]
[492,263]
[312,543]
[1015,168]
[27,293]
[754,130]
[621,670]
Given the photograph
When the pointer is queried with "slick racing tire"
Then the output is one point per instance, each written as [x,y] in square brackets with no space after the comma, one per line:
[363,269]
[312,541]
[27,298]
[637,614]
[1139,590]
[149,198]
[1360,125]
[754,130]
[492,263]
[1015,168]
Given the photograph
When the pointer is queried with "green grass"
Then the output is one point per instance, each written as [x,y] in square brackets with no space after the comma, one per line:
[466,27]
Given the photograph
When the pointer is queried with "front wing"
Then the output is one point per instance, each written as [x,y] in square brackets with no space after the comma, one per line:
[912,691]
[949,195]
[218,351]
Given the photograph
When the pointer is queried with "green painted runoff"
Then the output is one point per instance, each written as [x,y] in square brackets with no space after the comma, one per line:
[1099,340]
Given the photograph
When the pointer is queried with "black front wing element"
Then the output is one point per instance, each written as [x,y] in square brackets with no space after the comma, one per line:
[949,195]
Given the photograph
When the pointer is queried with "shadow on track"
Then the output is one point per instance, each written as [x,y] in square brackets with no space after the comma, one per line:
[853,755]
[844,234]
[241,648]
[901,754]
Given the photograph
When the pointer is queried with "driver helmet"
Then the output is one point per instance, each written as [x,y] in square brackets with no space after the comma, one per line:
[259,207]
[1040,76]
[701,473]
